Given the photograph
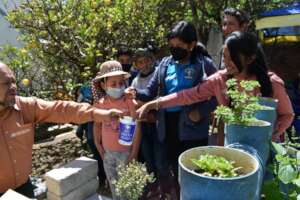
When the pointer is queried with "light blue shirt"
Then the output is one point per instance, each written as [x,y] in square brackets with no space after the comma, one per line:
[179,77]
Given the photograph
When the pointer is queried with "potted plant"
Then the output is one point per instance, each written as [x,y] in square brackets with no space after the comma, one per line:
[132,180]
[268,111]
[216,166]
[215,172]
[241,125]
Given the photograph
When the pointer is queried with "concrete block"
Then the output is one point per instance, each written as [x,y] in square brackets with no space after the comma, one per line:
[65,179]
[82,192]
[13,195]
[98,197]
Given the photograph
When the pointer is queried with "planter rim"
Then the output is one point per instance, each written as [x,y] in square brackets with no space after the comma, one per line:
[218,178]
[262,125]
[269,99]
[267,108]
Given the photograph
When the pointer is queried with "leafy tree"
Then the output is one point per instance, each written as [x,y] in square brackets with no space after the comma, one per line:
[68,39]
[207,13]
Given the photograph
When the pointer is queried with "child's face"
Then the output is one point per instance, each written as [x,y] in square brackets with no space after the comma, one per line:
[143,63]
[113,82]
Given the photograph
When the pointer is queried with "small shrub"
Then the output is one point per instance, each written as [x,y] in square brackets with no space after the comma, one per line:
[132,180]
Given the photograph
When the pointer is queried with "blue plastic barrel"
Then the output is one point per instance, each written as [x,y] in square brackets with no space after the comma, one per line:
[255,136]
[265,101]
[296,125]
[194,186]
[253,152]
[269,114]
[296,122]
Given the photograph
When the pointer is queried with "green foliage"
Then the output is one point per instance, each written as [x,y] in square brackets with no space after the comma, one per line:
[132,180]
[70,38]
[215,166]
[270,190]
[285,168]
[25,66]
[243,103]
[287,163]
[206,13]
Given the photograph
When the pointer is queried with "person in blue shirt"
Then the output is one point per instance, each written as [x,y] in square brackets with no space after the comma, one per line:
[84,94]
[183,127]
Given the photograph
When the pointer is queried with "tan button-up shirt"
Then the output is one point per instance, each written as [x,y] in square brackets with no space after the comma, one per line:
[17,133]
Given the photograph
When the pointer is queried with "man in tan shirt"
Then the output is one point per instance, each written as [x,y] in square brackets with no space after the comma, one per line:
[18,116]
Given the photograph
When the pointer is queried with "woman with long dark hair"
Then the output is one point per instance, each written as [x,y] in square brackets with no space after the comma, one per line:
[244,60]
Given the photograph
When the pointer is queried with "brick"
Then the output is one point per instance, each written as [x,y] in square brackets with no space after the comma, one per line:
[65,179]
[82,192]
[12,195]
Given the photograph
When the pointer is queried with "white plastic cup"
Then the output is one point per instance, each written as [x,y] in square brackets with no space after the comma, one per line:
[126,130]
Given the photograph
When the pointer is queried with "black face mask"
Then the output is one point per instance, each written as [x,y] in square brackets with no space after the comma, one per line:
[126,67]
[179,53]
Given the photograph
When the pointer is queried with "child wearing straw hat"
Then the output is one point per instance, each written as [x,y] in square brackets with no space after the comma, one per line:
[108,91]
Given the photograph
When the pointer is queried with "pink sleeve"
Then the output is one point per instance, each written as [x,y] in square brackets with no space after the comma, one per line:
[203,91]
[284,109]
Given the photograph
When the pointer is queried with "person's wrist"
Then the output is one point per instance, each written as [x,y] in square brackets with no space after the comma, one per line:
[134,92]
[157,103]
[94,114]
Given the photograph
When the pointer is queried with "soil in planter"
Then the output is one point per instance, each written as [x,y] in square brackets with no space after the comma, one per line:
[216,166]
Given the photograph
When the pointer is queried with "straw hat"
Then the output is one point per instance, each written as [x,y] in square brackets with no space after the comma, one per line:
[111,68]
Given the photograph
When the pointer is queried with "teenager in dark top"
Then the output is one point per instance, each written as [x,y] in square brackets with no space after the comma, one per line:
[124,56]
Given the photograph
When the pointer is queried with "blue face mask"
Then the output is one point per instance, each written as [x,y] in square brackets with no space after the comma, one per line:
[115,93]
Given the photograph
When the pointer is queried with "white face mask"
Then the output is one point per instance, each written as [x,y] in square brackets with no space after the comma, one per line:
[115,93]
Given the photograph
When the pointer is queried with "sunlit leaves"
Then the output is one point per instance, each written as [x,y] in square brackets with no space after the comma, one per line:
[243,104]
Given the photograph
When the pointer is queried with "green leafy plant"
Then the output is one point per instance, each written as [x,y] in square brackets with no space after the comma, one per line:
[243,104]
[132,180]
[215,166]
[285,167]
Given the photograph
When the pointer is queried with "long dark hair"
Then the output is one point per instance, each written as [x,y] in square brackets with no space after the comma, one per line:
[246,44]
[186,32]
